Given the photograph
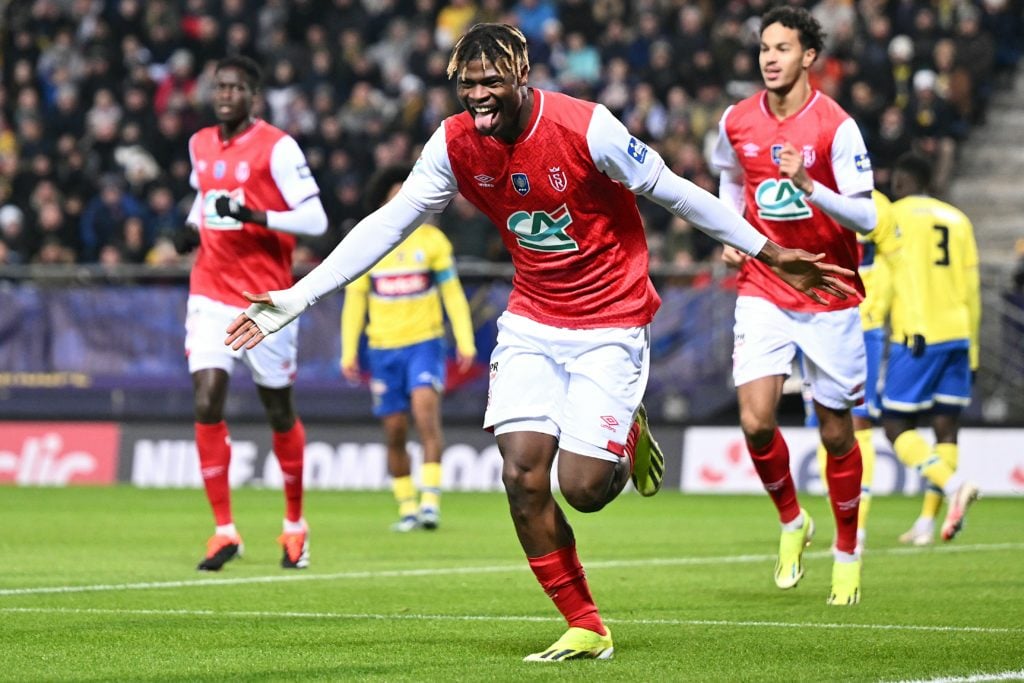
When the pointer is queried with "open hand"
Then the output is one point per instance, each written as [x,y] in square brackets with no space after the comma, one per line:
[243,330]
[806,272]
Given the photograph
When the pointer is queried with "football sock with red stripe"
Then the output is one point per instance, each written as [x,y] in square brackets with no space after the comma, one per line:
[844,474]
[289,447]
[214,446]
[561,576]
[772,465]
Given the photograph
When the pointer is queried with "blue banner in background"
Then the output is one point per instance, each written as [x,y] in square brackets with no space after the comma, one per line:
[116,352]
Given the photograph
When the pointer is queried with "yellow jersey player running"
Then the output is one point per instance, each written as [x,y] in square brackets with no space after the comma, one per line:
[879,266]
[930,373]
[399,304]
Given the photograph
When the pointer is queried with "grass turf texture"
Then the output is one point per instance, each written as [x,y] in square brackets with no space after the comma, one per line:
[685,583]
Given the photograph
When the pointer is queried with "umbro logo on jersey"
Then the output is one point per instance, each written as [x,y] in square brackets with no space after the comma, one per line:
[484,180]
[751,150]
[609,422]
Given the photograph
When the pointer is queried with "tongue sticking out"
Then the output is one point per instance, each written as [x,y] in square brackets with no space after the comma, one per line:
[485,122]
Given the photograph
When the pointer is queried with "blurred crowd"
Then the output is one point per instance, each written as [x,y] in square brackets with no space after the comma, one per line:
[99,97]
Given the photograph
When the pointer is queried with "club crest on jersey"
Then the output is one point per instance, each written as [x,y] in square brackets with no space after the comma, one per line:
[219,169]
[637,150]
[242,171]
[776,154]
[521,183]
[809,156]
[558,179]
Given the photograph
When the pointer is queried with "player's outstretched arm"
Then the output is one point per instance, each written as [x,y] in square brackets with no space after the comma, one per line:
[368,242]
[805,272]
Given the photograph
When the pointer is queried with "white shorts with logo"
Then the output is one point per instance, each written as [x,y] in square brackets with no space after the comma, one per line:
[272,363]
[580,386]
[767,338]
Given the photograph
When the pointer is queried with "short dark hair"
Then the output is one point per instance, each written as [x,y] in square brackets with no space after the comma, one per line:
[919,169]
[380,184]
[502,45]
[246,65]
[812,37]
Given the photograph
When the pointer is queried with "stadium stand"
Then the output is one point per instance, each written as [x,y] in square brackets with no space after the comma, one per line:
[98,98]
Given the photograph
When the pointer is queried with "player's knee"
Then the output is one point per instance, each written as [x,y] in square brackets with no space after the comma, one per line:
[758,434]
[524,483]
[758,428]
[208,411]
[585,498]
[837,441]
[281,420]
[892,431]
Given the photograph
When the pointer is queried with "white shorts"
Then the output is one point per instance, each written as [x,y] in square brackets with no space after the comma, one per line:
[767,337]
[272,363]
[580,386]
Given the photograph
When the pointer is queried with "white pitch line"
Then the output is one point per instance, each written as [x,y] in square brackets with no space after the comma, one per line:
[236,614]
[1017,675]
[493,569]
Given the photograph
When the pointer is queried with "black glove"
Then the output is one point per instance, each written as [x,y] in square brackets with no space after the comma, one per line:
[916,344]
[185,239]
[226,206]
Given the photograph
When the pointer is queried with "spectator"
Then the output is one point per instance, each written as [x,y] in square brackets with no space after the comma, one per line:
[179,81]
[531,15]
[53,225]
[82,79]
[13,235]
[975,51]
[104,216]
[931,127]
[582,64]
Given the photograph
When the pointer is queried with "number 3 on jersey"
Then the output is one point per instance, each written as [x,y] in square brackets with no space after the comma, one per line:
[543,231]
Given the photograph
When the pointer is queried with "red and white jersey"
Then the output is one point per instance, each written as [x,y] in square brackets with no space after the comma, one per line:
[264,169]
[562,197]
[749,142]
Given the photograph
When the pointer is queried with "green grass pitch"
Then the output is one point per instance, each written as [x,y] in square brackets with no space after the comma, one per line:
[98,584]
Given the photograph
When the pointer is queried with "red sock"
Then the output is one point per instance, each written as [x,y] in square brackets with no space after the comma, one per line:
[772,465]
[561,576]
[289,447]
[214,445]
[843,474]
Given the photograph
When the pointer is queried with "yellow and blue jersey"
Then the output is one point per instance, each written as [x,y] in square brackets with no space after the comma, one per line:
[939,258]
[398,301]
[879,264]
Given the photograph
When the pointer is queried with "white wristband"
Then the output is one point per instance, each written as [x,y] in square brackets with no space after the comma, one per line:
[288,305]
